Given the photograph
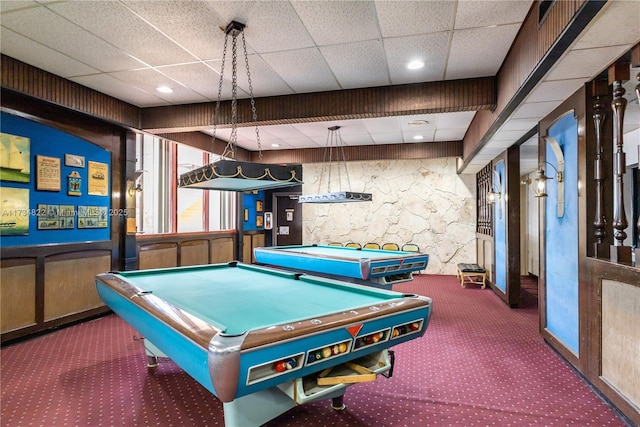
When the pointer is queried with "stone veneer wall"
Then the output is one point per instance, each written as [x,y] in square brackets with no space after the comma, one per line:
[414,201]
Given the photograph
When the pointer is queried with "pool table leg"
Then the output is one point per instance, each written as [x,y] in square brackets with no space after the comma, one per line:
[152,361]
[337,403]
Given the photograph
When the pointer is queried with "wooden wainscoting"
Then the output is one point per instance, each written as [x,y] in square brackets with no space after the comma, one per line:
[17,294]
[73,275]
[177,250]
[47,286]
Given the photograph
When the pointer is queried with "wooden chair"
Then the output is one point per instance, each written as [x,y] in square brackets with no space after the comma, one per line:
[335,244]
[390,247]
[353,245]
[371,245]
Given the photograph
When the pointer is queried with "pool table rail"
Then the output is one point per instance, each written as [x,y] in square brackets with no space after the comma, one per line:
[194,328]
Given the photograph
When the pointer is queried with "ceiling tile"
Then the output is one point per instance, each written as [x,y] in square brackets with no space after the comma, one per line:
[303,70]
[430,49]
[194,25]
[584,64]
[49,29]
[387,138]
[519,124]
[473,14]
[360,64]
[557,90]
[534,110]
[119,89]
[117,25]
[414,17]
[449,134]
[337,22]
[455,120]
[618,24]
[33,53]
[267,15]
[148,80]
[469,56]
[197,76]
[7,6]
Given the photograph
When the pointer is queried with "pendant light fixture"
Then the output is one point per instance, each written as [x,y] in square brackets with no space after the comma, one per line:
[334,145]
[229,174]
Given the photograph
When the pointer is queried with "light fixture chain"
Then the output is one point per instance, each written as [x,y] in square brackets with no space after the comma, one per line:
[344,161]
[233,139]
[217,110]
[253,102]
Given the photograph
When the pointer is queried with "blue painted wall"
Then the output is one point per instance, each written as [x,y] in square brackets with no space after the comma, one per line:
[250,201]
[500,232]
[562,239]
[51,142]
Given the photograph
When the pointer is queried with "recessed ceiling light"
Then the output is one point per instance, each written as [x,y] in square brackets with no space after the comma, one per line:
[164,89]
[275,145]
[418,122]
[414,65]
[418,137]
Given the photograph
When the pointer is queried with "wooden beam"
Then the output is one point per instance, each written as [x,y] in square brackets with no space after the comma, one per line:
[418,98]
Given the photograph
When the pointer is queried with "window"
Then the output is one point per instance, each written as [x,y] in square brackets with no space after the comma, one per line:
[191,210]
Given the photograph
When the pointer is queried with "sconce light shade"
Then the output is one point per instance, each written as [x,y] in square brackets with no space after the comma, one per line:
[132,187]
[493,196]
[539,184]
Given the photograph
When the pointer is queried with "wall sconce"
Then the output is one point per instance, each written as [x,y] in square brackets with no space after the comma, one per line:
[133,186]
[539,182]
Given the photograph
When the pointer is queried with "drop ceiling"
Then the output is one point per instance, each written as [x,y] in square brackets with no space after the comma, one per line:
[126,49]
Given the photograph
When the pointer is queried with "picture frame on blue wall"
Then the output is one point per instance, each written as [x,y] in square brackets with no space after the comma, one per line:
[15,156]
[14,210]
[47,173]
[74,184]
[259,221]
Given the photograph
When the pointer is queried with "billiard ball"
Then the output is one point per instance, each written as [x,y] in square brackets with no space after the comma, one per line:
[290,363]
[335,349]
[280,366]
[342,347]
[326,352]
[311,358]
[395,333]
[414,326]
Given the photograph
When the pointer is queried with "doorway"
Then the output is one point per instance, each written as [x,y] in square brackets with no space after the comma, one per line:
[287,219]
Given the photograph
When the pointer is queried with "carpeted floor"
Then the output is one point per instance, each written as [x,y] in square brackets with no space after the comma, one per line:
[479,364]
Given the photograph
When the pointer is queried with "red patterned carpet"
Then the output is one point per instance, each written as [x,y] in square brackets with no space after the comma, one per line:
[479,364]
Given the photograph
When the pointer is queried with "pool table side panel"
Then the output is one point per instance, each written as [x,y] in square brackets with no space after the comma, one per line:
[188,354]
[316,325]
[348,267]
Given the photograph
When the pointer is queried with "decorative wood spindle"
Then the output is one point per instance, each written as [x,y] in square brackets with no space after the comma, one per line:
[638,224]
[599,223]
[620,223]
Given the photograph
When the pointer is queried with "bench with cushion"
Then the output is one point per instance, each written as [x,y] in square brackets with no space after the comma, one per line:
[472,273]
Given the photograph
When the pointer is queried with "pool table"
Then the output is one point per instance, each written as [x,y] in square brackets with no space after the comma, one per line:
[262,339]
[373,267]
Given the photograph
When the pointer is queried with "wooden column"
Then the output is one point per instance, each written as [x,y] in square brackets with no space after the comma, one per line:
[619,253]
[599,88]
[635,62]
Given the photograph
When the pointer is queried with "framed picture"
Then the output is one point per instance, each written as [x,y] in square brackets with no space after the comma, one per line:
[47,173]
[15,158]
[259,221]
[98,179]
[259,206]
[246,214]
[14,206]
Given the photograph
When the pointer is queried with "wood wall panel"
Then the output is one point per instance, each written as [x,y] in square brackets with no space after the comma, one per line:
[194,253]
[17,295]
[257,241]
[621,338]
[70,285]
[32,81]
[222,250]
[164,255]
[247,248]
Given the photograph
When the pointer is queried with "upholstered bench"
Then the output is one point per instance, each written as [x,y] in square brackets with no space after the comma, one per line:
[472,273]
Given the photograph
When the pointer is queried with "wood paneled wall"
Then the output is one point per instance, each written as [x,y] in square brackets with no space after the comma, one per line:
[177,250]
[26,79]
[48,286]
